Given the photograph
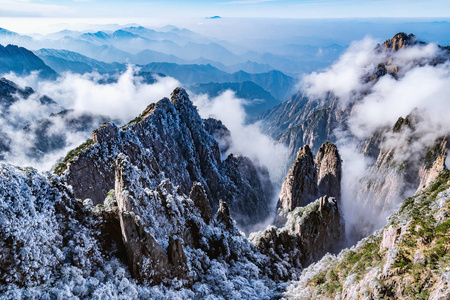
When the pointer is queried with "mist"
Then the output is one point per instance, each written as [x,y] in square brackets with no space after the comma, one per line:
[119,101]
[248,140]
[421,89]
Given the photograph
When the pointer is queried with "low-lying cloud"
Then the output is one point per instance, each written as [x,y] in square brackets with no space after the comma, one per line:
[120,100]
[414,84]
[247,139]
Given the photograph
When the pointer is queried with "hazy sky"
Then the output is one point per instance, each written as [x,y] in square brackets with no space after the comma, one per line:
[224,8]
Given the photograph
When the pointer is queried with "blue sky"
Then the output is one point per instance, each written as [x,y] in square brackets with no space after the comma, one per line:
[224,8]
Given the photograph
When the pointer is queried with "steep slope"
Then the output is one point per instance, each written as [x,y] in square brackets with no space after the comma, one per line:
[303,121]
[408,258]
[308,119]
[53,245]
[171,139]
[22,62]
[153,233]
[308,226]
[309,178]
[387,160]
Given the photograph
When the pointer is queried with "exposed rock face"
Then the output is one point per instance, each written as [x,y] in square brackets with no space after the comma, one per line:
[307,229]
[300,185]
[406,259]
[399,41]
[392,154]
[308,178]
[219,132]
[159,233]
[302,121]
[309,233]
[223,215]
[170,138]
[105,133]
[434,163]
[147,259]
[397,170]
[329,170]
[390,236]
[198,195]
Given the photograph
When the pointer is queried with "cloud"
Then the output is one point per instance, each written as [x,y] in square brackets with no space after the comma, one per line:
[419,87]
[248,139]
[346,76]
[121,101]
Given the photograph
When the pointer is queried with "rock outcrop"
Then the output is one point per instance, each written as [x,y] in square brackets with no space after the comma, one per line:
[148,261]
[328,164]
[399,41]
[169,138]
[300,186]
[406,259]
[307,228]
[399,168]
[309,179]
[303,121]
[308,234]
[145,236]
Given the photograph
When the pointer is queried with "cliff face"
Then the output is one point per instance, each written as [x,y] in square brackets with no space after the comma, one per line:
[308,228]
[399,171]
[302,121]
[53,244]
[309,233]
[398,159]
[300,185]
[309,179]
[406,259]
[400,40]
[169,139]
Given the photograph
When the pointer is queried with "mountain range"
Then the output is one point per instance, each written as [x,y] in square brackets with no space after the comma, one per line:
[161,208]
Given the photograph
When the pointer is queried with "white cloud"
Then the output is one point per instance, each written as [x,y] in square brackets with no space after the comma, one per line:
[248,139]
[419,87]
[122,100]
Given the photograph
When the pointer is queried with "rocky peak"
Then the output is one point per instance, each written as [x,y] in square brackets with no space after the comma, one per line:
[223,215]
[300,186]
[169,140]
[308,234]
[329,170]
[308,178]
[399,41]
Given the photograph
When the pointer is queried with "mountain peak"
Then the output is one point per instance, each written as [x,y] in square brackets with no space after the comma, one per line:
[399,41]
